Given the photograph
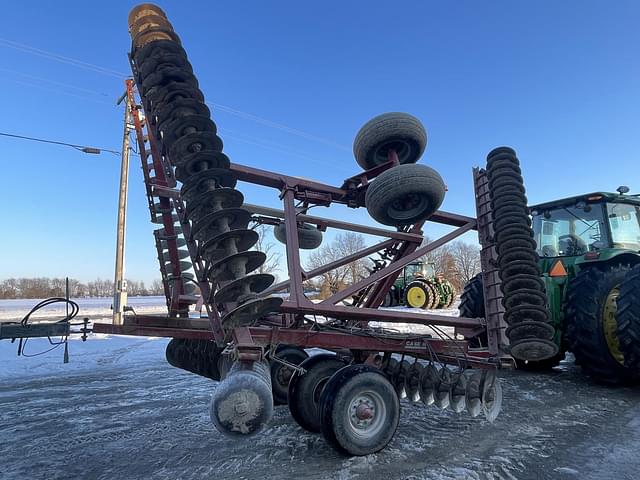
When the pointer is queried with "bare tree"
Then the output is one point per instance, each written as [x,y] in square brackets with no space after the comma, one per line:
[467,260]
[458,262]
[157,288]
[338,278]
[269,248]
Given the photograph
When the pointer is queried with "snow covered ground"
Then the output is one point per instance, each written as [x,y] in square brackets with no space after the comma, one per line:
[14,310]
[119,411]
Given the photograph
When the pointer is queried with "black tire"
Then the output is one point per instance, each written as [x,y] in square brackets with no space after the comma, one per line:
[452,294]
[472,299]
[472,306]
[388,300]
[587,313]
[346,430]
[305,389]
[395,296]
[405,194]
[628,318]
[281,374]
[309,237]
[399,131]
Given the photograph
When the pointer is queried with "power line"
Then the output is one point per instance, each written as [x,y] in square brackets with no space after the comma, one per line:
[279,126]
[114,73]
[59,91]
[82,148]
[54,82]
[62,58]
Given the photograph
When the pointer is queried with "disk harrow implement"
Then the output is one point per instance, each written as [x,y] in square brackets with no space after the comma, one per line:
[254,341]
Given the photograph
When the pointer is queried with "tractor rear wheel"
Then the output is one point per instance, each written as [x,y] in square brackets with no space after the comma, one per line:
[472,299]
[628,317]
[417,295]
[592,326]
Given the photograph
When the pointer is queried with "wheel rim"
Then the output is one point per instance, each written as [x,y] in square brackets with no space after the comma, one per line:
[366,414]
[416,297]
[283,375]
[407,206]
[610,325]
[402,149]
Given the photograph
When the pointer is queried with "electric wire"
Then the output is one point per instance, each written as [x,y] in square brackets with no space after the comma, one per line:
[121,75]
[82,148]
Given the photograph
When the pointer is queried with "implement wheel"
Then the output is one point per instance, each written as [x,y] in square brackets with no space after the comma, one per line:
[405,194]
[592,326]
[305,389]
[281,374]
[309,237]
[359,410]
[397,131]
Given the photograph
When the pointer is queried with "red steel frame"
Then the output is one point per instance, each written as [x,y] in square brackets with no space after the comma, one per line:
[288,327]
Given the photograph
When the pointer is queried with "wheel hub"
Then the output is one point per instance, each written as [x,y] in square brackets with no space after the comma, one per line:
[363,411]
[416,297]
[610,325]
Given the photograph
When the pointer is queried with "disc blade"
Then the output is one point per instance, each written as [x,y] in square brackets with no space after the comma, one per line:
[457,401]
[244,288]
[412,382]
[491,397]
[429,380]
[442,391]
[473,394]
[249,313]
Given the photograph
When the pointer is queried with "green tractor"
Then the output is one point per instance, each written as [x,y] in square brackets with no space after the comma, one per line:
[586,246]
[420,287]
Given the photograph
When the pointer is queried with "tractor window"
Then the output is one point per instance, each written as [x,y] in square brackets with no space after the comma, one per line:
[412,270]
[569,231]
[623,221]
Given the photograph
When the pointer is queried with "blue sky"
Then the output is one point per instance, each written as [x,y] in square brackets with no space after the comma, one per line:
[558,81]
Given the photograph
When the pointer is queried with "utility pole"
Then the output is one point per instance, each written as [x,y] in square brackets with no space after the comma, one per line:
[120,284]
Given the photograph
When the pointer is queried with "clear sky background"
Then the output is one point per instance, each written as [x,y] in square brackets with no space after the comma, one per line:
[290,83]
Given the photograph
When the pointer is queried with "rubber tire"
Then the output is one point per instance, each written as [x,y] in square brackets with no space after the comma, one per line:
[452,294]
[303,404]
[335,399]
[395,129]
[472,306]
[472,299]
[435,295]
[398,182]
[421,285]
[309,237]
[585,303]
[293,355]
[628,318]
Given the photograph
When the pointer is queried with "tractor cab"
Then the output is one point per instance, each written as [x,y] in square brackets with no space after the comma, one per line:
[594,222]
[419,270]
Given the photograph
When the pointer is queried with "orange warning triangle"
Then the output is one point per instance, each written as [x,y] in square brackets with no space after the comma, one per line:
[558,270]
